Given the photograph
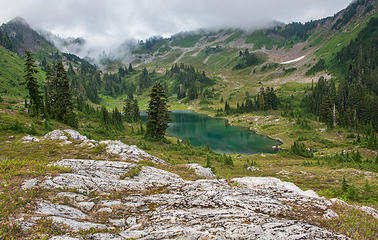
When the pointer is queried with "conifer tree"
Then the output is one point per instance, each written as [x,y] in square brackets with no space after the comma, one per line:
[60,97]
[49,89]
[117,119]
[130,68]
[135,111]
[226,107]
[131,110]
[127,110]
[105,117]
[31,84]
[326,112]
[144,80]
[157,118]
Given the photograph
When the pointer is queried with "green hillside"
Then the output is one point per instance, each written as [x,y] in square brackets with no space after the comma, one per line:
[12,74]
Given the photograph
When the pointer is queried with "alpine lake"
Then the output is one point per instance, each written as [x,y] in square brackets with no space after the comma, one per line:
[202,130]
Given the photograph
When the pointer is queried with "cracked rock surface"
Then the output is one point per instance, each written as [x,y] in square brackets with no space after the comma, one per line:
[198,169]
[157,204]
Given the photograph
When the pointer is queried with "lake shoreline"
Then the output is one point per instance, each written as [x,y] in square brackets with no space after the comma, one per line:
[228,119]
[259,144]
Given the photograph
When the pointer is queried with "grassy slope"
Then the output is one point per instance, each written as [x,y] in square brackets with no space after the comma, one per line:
[19,161]
[260,40]
[232,85]
[12,74]
[185,41]
[329,47]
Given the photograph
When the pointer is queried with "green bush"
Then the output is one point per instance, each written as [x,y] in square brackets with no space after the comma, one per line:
[300,149]
[350,159]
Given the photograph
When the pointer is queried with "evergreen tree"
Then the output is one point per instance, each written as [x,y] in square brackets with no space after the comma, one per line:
[131,110]
[248,103]
[36,104]
[157,118]
[326,112]
[135,111]
[49,90]
[117,119]
[130,68]
[105,117]
[127,110]
[226,107]
[60,97]
[144,80]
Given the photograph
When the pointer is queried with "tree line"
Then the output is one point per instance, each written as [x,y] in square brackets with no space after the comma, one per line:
[57,101]
[247,59]
[187,81]
[354,102]
[266,99]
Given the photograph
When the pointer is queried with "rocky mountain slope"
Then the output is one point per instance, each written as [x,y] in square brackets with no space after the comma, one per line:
[102,199]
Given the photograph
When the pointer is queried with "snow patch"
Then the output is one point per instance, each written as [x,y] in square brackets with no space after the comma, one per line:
[294,60]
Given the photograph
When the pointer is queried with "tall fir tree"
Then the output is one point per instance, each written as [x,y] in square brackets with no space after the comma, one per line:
[36,103]
[158,114]
[326,112]
[49,89]
[60,102]
[117,119]
[105,117]
[144,80]
[131,109]
[135,111]
[130,68]
[127,110]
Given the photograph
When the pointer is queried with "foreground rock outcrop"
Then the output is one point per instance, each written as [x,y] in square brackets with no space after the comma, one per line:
[157,204]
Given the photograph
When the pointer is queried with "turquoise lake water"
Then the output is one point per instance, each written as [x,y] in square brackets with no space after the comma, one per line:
[220,136]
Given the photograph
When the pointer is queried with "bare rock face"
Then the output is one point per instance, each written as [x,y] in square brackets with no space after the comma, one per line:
[205,172]
[131,153]
[29,139]
[253,169]
[157,204]
[56,135]
[118,148]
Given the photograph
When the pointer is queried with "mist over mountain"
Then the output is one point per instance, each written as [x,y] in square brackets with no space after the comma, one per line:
[106,25]
[227,119]
[88,50]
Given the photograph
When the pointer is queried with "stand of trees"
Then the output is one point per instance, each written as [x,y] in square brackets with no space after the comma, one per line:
[188,82]
[354,102]
[265,100]
[111,120]
[248,59]
[117,84]
[131,110]
[59,103]
[58,99]
[145,80]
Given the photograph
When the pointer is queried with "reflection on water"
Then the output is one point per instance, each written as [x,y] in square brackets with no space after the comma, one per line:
[221,137]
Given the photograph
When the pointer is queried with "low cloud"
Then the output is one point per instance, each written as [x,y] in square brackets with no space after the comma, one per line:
[105,24]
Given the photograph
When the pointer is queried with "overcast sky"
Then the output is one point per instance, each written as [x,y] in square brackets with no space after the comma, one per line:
[113,21]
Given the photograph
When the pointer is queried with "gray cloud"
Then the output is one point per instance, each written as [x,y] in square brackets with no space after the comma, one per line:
[108,23]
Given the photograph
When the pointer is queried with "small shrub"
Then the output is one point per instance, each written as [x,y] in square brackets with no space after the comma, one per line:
[17,127]
[32,130]
[132,172]
[300,149]
[227,160]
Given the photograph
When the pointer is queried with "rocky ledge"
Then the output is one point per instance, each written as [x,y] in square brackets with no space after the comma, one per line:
[157,204]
